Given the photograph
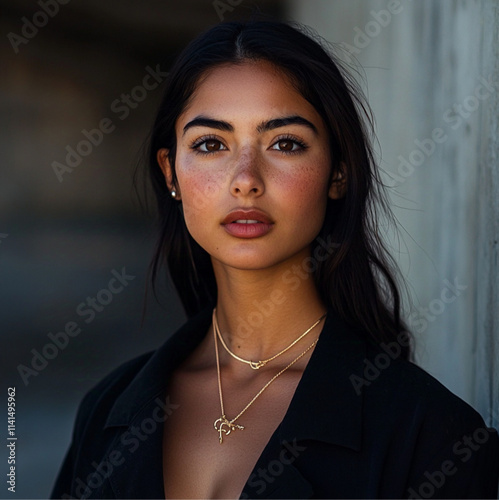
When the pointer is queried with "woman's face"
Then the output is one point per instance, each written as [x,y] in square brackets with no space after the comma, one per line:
[249,141]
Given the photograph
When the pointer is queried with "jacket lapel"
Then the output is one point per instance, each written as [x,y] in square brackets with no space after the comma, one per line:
[140,411]
[325,408]
[140,473]
[274,475]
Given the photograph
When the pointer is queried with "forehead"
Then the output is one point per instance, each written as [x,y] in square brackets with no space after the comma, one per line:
[256,89]
[247,72]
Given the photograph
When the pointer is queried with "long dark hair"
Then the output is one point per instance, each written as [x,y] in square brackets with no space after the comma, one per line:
[357,278]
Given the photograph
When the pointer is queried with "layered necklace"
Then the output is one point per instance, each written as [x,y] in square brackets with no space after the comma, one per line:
[223,425]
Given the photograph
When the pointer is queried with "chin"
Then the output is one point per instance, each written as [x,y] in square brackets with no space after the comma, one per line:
[246,261]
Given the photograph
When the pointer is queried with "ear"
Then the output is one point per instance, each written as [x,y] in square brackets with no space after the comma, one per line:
[166,168]
[338,187]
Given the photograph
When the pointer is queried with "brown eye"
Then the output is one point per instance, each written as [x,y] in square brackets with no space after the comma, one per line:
[212,145]
[285,145]
[209,146]
[288,145]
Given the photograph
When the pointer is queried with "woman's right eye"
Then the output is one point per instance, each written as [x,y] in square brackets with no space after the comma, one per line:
[206,146]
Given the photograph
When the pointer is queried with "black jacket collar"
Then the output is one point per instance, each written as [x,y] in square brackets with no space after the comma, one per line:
[325,406]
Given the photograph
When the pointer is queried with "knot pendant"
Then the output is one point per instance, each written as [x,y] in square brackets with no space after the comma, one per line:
[224,426]
[257,364]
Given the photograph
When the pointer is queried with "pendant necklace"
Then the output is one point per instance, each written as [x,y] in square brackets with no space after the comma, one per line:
[225,426]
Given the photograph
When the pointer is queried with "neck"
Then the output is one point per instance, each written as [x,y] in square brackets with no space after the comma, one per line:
[261,312]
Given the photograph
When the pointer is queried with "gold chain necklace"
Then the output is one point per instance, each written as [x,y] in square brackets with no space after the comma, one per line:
[258,364]
[225,426]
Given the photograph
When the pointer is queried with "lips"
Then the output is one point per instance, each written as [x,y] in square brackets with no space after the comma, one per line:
[247,217]
[247,223]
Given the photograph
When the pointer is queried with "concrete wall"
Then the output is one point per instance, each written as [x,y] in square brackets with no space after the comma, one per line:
[432,79]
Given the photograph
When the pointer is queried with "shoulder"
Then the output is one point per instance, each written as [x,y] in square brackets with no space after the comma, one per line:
[126,389]
[101,398]
[411,430]
[402,385]
[441,429]
[88,440]
[392,393]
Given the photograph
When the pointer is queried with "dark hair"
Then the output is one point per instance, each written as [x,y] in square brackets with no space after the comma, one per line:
[357,278]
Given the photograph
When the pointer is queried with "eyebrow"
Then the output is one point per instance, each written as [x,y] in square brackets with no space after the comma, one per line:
[204,121]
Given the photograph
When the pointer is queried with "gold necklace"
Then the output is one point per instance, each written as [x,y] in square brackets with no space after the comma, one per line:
[225,426]
[258,364]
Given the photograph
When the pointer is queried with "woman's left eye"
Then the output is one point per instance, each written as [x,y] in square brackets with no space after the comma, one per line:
[288,145]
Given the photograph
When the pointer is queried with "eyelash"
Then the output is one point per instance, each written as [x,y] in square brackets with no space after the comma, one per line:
[201,140]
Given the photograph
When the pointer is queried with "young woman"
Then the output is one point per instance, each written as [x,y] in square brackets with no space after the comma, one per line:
[292,376]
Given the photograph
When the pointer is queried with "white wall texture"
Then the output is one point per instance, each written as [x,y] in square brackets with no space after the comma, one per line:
[431,73]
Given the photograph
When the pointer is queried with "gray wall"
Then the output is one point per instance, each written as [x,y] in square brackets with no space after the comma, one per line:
[432,79]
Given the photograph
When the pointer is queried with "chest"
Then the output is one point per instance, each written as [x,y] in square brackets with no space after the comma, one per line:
[195,463]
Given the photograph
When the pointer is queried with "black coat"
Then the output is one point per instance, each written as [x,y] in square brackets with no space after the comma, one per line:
[361,424]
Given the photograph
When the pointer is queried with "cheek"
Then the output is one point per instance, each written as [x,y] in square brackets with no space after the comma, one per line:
[198,186]
[305,187]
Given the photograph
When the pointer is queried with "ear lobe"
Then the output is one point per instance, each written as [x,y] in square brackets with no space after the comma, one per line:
[164,164]
[338,186]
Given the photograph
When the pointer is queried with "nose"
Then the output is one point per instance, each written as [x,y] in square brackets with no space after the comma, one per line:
[247,179]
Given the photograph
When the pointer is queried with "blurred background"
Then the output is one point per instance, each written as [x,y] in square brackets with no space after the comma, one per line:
[76,107]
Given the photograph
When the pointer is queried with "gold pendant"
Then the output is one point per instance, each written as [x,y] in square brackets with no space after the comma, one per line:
[223,426]
[257,364]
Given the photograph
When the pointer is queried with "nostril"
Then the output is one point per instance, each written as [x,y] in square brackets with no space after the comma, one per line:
[244,183]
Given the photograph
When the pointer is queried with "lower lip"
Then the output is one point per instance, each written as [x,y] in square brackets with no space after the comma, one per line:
[247,230]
